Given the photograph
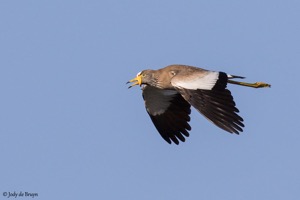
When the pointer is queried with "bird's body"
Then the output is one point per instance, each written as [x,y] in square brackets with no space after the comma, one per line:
[169,93]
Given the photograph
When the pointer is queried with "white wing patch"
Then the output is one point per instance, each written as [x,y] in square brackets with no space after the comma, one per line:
[157,100]
[205,82]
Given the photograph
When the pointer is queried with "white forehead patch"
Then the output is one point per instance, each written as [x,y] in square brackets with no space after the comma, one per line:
[138,73]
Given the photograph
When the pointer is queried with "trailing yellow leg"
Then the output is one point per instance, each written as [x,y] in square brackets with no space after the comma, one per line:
[254,85]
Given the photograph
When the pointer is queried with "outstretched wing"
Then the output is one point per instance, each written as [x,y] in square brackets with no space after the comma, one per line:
[169,113]
[209,96]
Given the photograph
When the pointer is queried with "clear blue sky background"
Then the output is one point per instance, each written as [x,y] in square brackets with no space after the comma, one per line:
[70,128]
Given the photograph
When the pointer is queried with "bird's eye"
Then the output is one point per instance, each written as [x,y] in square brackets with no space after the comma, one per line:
[173,73]
[143,75]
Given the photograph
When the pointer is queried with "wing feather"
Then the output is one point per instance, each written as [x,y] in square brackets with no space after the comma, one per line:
[216,105]
[206,91]
[169,112]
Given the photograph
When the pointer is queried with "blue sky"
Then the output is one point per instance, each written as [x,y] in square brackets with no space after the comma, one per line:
[70,128]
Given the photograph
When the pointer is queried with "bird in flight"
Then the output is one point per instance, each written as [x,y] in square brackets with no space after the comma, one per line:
[170,92]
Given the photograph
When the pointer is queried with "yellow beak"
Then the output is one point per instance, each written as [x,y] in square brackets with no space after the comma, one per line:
[136,81]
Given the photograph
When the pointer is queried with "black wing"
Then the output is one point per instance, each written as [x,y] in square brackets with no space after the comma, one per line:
[169,113]
[217,105]
[206,91]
